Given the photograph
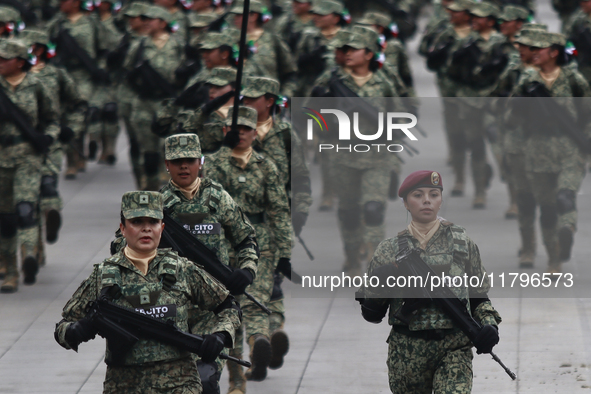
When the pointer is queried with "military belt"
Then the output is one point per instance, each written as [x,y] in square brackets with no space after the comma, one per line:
[9,140]
[256,218]
[435,335]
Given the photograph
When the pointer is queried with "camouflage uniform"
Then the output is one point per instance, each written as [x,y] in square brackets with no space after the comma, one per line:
[289,27]
[419,361]
[20,170]
[164,61]
[555,164]
[271,58]
[150,366]
[72,107]
[10,18]
[258,190]
[578,30]
[362,180]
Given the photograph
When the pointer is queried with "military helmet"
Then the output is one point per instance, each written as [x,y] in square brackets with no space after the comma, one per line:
[341,39]
[460,5]
[513,12]
[135,9]
[523,37]
[259,86]
[221,76]
[545,39]
[182,146]
[325,7]
[202,20]
[32,37]
[247,116]
[157,12]
[213,40]
[485,9]
[364,37]
[12,47]
[142,204]
[371,18]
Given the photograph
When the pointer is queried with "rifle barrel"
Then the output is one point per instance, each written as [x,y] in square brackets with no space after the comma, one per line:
[509,372]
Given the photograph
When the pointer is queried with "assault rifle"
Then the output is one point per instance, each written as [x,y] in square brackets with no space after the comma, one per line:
[464,61]
[9,111]
[147,81]
[186,245]
[548,106]
[123,327]
[410,262]
[69,48]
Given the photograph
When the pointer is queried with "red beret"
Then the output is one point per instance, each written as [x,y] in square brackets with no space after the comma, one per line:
[420,179]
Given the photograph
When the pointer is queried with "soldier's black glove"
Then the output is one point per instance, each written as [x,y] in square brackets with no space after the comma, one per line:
[238,281]
[313,62]
[486,339]
[186,71]
[193,96]
[66,135]
[212,346]
[384,272]
[320,91]
[101,76]
[81,331]
[372,311]
[216,103]
[231,139]
[298,220]
[161,130]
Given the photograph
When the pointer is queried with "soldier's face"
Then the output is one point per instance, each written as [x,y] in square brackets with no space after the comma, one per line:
[201,5]
[423,204]
[183,172]
[357,57]
[247,137]
[543,56]
[510,28]
[481,24]
[69,6]
[525,53]
[301,8]
[214,57]
[458,18]
[325,21]
[252,19]
[165,3]
[261,104]
[155,26]
[142,234]
[586,6]
[9,67]
[339,56]
[136,24]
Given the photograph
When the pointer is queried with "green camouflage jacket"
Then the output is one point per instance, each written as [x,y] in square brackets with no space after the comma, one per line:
[397,57]
[40,106]
[193,287]
[451,252]
[577,23]
[289,28]
[208,128]
[312,39]
[259,191]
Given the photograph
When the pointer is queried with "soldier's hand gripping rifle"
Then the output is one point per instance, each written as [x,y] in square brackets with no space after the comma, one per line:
[410,262]
[123,327]
[69,48]
[147,81]
[186,245]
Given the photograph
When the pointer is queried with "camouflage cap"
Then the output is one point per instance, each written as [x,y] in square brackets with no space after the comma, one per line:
[32,37]
[142,205]
[255,6]
[247,116]
[135,9]
[364,37]
[9,14]
[513,13]
[12,47]
[213,40]
[341,38]
[375,18]
[157,12]
[182,146]
[221,76]
[202,20]
[460,5]
[544,39]
[259,86]
[485,9]
[325,7]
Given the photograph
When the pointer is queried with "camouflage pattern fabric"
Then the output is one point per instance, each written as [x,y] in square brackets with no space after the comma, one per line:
[141,204]
[208,128]
[578,23]
[182,146]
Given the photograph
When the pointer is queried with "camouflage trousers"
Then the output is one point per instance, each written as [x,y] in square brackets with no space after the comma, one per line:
[174,377]
[526,202]
[104,128]
[125,109]
[420,366]
[20,184]
[363,196]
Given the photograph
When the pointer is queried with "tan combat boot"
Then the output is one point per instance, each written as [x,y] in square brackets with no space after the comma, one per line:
[511,213]
[237,379]
[10,284]
[2,270]
[479,201]
[260,356]
[327,203]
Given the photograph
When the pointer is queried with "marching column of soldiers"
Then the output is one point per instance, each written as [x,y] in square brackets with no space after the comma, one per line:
[74,73]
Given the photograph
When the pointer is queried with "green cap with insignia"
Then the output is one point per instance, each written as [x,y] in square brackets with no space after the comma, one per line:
[485,9]
[524,35]
[12,47]
[460,5]
[135,9]
[157,12]
[255,6]
[202,20]
[374,18]
[364,37]
[221,76]
[182,146]
[32,37]
[259,86]
[9,14]
[544,39]
[213,40]
[341,38]
[247,116]
[325,7]
[142,205]
[513,13]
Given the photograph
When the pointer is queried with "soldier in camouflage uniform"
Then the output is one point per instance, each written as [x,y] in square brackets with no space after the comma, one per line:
[290,26]
[179,18]
[151,366]
[72,107]
[566,9]
[578,30]
[164,53]
[269,55]
[427,351]
[198,201]
[555,163]
[362,180]
[10,22]
[21,162]
[253,181]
